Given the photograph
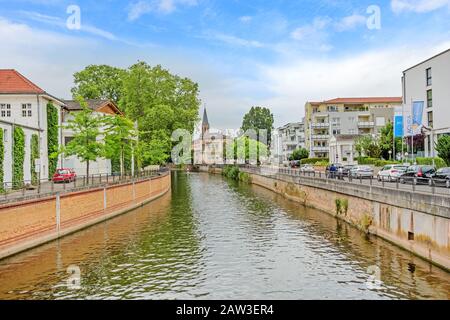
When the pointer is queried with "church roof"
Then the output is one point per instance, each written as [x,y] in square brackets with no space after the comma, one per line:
[205,118]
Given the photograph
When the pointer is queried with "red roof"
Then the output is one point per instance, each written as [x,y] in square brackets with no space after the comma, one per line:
[367,100]
[12,81]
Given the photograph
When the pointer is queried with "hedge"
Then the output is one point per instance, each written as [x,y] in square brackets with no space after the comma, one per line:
[52,138]
[34,152]
[18,157]
[313,160]
[2,158]
[439,163]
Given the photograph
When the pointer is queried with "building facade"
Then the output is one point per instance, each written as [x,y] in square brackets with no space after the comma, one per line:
[23,104]
[100,108]
[285,140]
[345,117]
[429,81]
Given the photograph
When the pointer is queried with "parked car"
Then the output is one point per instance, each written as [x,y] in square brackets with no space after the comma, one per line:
[328,169]
[294,164]
[418,174]
[346,169]
[64,175]
[307,168]
[441,177]
[391,172]
[361,172]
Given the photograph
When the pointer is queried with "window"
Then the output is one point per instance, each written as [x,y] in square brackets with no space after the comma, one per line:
[336,131]
[26,110]
[429,79]
[430,98]
[5,110]
[430,119]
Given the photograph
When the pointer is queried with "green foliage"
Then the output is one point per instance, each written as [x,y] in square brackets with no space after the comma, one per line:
[156,151]
[18,157]
[443,149]
[34,155]
[52,138]
[245,177]
[259,118]
[99,82]
[299,154]
[341,206]
[231,172]
[313,160]
[438,162]
[86,128]
[369,146]
[161,103]
[247,149]
[2,159]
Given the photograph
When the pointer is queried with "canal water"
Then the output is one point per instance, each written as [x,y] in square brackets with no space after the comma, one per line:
[212,238]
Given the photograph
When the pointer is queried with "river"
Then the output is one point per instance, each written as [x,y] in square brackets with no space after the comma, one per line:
[213,238]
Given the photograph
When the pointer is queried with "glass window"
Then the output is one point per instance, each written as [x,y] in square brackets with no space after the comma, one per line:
[5,110]
[430,98]
[430,119]
[429,78]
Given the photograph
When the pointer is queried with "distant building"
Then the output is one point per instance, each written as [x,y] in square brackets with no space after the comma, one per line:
[99,108]
[429,81]
[24,104]
[285,140]
[345,116]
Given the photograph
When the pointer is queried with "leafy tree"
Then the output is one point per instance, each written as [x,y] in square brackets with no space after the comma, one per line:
[99,82]
[259,118]
[119,131]
[86,129]
[369,146]
[443,149]
[299,154]
[156,151]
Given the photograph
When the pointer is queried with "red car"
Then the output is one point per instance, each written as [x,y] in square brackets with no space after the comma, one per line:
[64,175]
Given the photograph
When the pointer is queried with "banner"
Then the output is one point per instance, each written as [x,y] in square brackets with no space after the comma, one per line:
[407,121]
[417,117]
[398,123]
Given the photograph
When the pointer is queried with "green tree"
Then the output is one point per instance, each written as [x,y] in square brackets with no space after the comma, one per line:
[368,146]
[247,149]
[34,155]
[259,118]
[156,151]
[443,149]
[299,154]
[99,82]
[119,132]
[86,129]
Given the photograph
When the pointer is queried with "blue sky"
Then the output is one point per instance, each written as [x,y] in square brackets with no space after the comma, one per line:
[275,53]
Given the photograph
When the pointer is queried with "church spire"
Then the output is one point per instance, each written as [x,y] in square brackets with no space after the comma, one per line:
[205,118]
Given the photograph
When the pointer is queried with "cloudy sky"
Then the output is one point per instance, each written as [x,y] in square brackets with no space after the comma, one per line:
[278,53]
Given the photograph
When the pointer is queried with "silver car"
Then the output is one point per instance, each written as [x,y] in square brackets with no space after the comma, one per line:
[361,172]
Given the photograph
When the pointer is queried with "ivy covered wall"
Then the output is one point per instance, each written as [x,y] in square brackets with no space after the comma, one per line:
[2,158]
[34,155]
[52,138]
[18,157]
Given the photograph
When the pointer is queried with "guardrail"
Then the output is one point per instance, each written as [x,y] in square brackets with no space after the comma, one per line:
[411,184]
[17,191]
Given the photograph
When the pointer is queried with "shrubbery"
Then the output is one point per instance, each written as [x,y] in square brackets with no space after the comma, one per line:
[233,172]
[439,163]
[313,160]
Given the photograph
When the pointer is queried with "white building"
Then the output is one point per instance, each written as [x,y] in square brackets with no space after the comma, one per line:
[23,104]
[288,138]
[429,81]
[100,108]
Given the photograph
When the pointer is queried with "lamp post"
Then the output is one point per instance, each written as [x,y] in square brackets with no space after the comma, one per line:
[390,154]
[406,155]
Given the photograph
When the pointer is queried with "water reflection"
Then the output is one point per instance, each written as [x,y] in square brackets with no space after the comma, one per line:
[217,239]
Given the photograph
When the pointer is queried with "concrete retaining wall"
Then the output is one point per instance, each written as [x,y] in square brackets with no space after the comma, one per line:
[27,224]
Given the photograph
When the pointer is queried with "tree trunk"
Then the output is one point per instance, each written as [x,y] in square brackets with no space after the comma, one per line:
[87,171]
[122,162]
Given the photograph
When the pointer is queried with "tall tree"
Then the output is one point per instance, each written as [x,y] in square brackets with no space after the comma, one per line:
[119,135]
[443,149]
[300,154]
[99,82]
[259,118]
[86,129]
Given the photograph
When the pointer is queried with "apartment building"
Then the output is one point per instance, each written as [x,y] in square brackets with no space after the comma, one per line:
[429,81]
[347,117]
[286,139]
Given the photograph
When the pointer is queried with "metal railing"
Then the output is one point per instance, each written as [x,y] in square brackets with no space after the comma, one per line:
[431,186]
[16,191]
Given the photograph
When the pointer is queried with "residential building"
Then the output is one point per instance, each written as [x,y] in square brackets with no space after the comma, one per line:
[288,138]
[429,81]
[276,148]
[345,116]
[23,104]
[100,108]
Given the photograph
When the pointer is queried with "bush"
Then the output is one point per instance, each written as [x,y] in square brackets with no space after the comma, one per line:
[18,157]
[52,138]
[429,161]
[231,172]
[244,177]
[382,163]
[313,160]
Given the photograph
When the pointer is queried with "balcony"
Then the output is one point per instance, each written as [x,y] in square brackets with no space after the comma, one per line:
[320,149]
[320,125]
[320,137]
[366,124]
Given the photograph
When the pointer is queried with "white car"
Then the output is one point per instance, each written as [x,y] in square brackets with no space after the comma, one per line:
[307,168]
[391,172]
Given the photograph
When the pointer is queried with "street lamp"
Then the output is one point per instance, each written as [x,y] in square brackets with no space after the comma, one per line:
[390,154]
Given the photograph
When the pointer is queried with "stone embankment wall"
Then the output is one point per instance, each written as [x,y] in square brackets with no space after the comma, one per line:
[27,224]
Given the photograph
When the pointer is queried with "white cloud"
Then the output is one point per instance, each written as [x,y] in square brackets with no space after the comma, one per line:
[350,22]
[418,6]
[233,40]
[245,19]
[142,7]
[311,30]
